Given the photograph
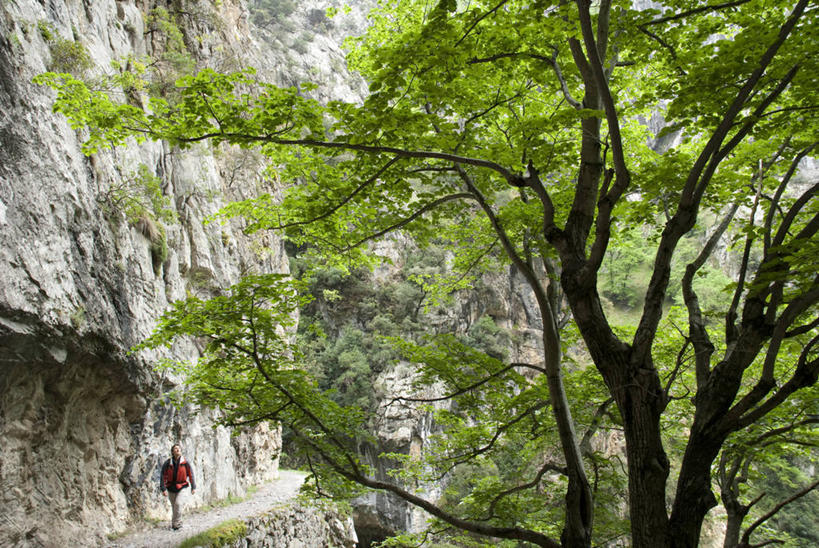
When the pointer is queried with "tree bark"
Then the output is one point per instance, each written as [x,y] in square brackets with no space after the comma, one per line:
[640,399]
[694,489]
[733,524]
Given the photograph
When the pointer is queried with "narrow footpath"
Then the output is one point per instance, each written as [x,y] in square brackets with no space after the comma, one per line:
[162,536]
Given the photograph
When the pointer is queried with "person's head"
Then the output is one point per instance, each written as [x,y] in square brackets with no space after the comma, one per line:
[176,450]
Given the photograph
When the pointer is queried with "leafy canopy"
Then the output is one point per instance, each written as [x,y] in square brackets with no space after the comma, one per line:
[521,128]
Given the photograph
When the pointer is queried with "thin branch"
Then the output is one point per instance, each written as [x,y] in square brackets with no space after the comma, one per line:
[793,212]
[585,443]
[697,181]
[547,467]
[763,439]
[458,392]
[678,364]
[747,535]
[695,11]
[478,20]
[713,145]
[788,109]
[754,117]
[551,61]
[802,329]
[337,145]
[355,475]
[403,222]
[703,347]
[781,190]
[666,45]
[474,263]
[343,202]
[805,374]
[731,331]
[461,458]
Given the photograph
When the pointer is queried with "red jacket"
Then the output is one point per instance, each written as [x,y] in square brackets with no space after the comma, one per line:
[176,475]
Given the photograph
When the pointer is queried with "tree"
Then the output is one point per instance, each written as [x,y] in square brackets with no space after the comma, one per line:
[528,115]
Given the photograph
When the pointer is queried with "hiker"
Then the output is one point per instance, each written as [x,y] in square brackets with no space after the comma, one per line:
[176,475]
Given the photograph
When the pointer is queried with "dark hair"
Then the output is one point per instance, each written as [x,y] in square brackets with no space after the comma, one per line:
[176,445]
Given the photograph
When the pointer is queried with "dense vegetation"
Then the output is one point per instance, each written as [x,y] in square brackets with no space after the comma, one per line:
[513,132]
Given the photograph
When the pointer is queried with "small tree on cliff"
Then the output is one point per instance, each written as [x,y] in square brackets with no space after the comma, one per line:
[524,119]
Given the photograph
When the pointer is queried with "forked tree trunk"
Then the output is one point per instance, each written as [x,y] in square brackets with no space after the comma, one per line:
[640,399]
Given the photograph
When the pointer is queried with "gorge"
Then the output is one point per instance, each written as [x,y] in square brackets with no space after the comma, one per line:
[498,263]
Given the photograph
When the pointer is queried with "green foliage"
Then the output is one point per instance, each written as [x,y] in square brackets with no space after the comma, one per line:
[345,331]
[229,500]
[495,128]
[77,318]
[172,60]
[797,520]
[69,56]
[264,13]
[223,534]
[139,197]
[250,369]
[301,42]
[66,55]
[624,276]
[46,30]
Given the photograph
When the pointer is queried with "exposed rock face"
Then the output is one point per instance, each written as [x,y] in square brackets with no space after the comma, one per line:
[401,427]
[299,526]
[406,427]
[84,425]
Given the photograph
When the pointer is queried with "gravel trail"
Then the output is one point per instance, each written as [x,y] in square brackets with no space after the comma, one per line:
[162,536]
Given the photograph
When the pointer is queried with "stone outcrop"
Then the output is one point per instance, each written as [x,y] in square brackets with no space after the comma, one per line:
[84,424]
[299,526]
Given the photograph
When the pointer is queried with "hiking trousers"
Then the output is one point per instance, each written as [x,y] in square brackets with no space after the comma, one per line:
[176,508]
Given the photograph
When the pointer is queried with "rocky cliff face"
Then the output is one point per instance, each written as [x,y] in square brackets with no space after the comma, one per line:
[84,425]
[299,526]
[406,427]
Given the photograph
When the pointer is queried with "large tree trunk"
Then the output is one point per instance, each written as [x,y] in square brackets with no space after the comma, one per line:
[640,399]
[694,497]
[641,407]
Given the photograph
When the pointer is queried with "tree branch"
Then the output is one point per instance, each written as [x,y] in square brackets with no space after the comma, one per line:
[695,11]
[358,477]
[547,467]
[695,185]
[426,207]
[337,145]
[703,347]
[747,535]
[458,392]
[343,202]
[551,61]
[478,20]
[780,191]
[806,374]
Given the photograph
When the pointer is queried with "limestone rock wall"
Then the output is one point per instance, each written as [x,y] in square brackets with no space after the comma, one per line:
[299,526]
[404,427]
[84,425]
